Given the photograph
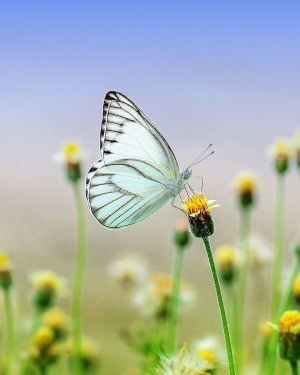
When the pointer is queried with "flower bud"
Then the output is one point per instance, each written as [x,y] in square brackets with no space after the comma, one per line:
[297,147]
[181,236]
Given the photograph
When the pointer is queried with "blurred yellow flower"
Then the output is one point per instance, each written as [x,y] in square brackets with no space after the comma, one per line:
[5,271]
[71,156]
[281,151]
[57,320]
[46,280]
[296,288]
[210,351]
[226,256]
[4,262]
[297,147]
[43,338]
[289,336]
[245,185]
[89,351]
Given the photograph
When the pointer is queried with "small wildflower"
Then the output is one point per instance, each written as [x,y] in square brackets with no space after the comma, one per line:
[71,156]
[154,297]
[289,336]
[281,151]
[226,260]
[246,187]
[260,253]
[43,352]
[210,351]
[128,271]
[297,147]
[57,320]
[182,363]
[47,286]
[198,209]
[5,271]
[89,352]
[181,236]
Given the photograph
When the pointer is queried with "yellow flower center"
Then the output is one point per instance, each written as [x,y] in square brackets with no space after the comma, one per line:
[46,280]
[282,149]
[72,152]
[266,329]
[207,354]
[197,204]
[296,287]
[161,285]
[44,337]
[290,322]
[56,319]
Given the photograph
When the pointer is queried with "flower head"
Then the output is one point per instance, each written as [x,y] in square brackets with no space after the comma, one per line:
[128,271]
[47,286]
[71,156]
[281,151]
[266,329]
[43,351]
[289,335]
[181,236]
[57,320]
[198,209]
[226,260]
[182,363]
[210,351]
[246,187]
[89,352]
[154,297]
[5,271]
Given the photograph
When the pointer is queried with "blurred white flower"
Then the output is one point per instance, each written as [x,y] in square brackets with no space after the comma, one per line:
[128,271]
[154,296]
[183,363]
[211,351]
[260,252]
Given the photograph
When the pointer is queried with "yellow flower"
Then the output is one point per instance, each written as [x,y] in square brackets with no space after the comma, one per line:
[210,351]
[226,260]
[5,271]
[71,156]
[297,147]
[198,209]
[47,286]
[266,329]
[296,289]
[290,322]
[289,336]
[281,151]
[43,352]
[89,352]
[43,338]
[57,320]
[246,186]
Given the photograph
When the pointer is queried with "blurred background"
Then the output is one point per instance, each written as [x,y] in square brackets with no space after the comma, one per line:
[220,72]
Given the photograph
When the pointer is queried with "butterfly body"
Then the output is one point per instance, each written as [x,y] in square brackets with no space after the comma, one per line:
[137,172]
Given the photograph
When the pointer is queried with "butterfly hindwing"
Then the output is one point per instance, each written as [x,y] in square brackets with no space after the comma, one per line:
[126,191]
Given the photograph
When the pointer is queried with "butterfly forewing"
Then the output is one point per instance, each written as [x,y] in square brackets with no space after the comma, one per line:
[127,132]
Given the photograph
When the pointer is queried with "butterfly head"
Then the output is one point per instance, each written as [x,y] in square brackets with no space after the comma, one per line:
[186,174]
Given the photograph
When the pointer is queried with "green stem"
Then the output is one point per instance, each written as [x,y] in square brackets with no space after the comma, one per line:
[78,279]
[173,317]
[244,243]
[221,306]
[235,319]
[277,267]
[10,338]
[270,365]
[294,367]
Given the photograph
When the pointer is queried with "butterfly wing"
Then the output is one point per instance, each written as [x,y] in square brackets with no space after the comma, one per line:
[127,133]
[125,192]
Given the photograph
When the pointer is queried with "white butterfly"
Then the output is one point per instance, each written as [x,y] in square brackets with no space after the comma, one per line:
[137,172]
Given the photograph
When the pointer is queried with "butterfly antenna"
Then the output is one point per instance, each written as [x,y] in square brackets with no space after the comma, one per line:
[199,161]
[199,156]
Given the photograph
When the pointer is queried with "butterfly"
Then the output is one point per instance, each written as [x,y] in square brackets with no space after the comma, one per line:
[137,172]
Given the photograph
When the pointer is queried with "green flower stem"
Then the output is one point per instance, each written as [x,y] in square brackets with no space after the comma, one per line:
[10,337]
[221,306]
[279,227]
[235,318]
[270,365]
[173,317]
[294,367]
[78,279]
[244,243]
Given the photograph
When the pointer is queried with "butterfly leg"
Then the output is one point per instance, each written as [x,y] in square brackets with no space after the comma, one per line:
[178,208]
